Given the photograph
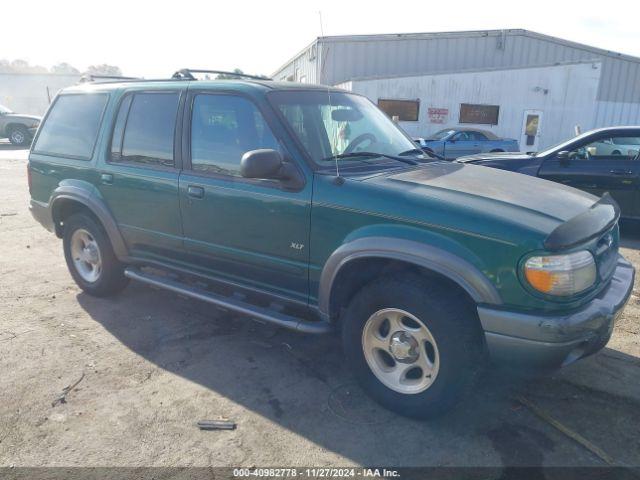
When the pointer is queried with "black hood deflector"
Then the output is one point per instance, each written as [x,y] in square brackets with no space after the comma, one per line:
[601,217]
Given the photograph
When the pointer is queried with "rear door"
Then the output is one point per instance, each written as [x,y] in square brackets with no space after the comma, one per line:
[249,231]
[140,178]
[608,164]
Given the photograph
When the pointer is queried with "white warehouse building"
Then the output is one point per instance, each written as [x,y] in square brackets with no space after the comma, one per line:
[516,83]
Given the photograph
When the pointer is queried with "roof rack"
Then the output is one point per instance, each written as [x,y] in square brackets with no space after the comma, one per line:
[92,78]
[187,74]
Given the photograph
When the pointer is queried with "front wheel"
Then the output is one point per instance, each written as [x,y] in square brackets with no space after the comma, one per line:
[90,257]
[415,346]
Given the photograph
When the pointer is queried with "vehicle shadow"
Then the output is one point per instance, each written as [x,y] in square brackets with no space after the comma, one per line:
[300,382]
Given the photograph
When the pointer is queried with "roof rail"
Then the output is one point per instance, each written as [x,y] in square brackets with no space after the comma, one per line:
[187,74]
[92,78]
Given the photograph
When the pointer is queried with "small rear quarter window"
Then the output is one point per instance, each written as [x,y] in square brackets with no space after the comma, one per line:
[71,127]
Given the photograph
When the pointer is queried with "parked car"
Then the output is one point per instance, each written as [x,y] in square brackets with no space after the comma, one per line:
[599,161]
[452,143]
[306,207]
[19,129]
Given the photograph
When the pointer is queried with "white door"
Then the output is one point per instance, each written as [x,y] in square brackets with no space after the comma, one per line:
[531,130]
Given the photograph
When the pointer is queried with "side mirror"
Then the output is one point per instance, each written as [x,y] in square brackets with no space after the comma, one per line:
[563,157]
[268,164]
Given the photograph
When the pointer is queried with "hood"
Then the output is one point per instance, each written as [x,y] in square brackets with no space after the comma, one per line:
[494,194]
[506,156]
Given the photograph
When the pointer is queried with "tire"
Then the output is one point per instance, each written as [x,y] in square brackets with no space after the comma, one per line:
[84,243]
[19,136]
[455,349]
[497,150]
[616,152]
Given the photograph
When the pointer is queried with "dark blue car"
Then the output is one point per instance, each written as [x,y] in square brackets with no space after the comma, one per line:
[599,161]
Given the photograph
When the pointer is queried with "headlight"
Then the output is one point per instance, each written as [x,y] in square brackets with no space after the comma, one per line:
[561,275]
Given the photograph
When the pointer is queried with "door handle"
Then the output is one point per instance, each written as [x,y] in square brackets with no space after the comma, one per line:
[621,172]
[106,179]
[195,192]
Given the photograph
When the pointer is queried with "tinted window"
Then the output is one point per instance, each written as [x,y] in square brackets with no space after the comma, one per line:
[72,125]
[145,128]
[223,129]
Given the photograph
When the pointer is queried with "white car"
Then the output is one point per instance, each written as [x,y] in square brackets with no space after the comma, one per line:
[626,146]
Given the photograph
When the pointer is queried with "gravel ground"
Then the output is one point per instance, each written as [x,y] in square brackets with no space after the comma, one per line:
[154,364]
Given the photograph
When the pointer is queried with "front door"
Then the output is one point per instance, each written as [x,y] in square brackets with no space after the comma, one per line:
[609,164]
[140,179]
[462,143]
[531,130]
[250,231]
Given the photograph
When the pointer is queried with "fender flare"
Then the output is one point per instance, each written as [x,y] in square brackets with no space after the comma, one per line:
[460,271]
[88,198]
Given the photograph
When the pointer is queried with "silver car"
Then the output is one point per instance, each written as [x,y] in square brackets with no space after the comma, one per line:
[19,129]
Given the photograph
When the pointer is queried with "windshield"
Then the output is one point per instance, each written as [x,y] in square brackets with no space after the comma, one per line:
[4,109]
[331,124]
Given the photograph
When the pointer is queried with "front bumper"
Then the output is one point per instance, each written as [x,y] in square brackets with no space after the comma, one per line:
[551,341]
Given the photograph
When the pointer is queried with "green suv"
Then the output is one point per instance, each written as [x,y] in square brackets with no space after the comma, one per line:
[306,207]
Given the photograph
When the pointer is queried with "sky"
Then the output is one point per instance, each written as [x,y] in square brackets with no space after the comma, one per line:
[155,38]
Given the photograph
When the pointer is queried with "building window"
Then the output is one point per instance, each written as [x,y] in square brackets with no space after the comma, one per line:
[479,114]
[405,110]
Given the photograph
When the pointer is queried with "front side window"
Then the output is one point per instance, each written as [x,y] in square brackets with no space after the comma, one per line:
[71,127]
[336,123]
[223,129]
[442,134]
[145,129]
[614,148]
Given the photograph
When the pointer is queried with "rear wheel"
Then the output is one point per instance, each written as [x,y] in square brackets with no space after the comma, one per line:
[90,257]
[19,136]
[415,347]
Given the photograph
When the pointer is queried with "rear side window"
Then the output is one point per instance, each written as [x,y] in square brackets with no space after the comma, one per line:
[145,129]
[72,125]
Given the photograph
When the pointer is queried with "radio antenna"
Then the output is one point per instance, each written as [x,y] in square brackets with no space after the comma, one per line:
[324,62]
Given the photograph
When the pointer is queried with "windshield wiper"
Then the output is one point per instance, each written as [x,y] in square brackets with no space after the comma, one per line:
[423,152]
[413,151]
[371,154]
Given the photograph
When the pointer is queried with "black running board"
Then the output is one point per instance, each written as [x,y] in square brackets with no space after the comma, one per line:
[259,313]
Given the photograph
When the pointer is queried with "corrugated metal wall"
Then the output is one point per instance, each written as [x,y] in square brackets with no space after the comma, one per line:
[369,56]
[354,57]
[303,67]
[565,94]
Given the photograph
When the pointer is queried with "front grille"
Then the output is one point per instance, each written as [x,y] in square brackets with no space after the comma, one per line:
[606,253]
